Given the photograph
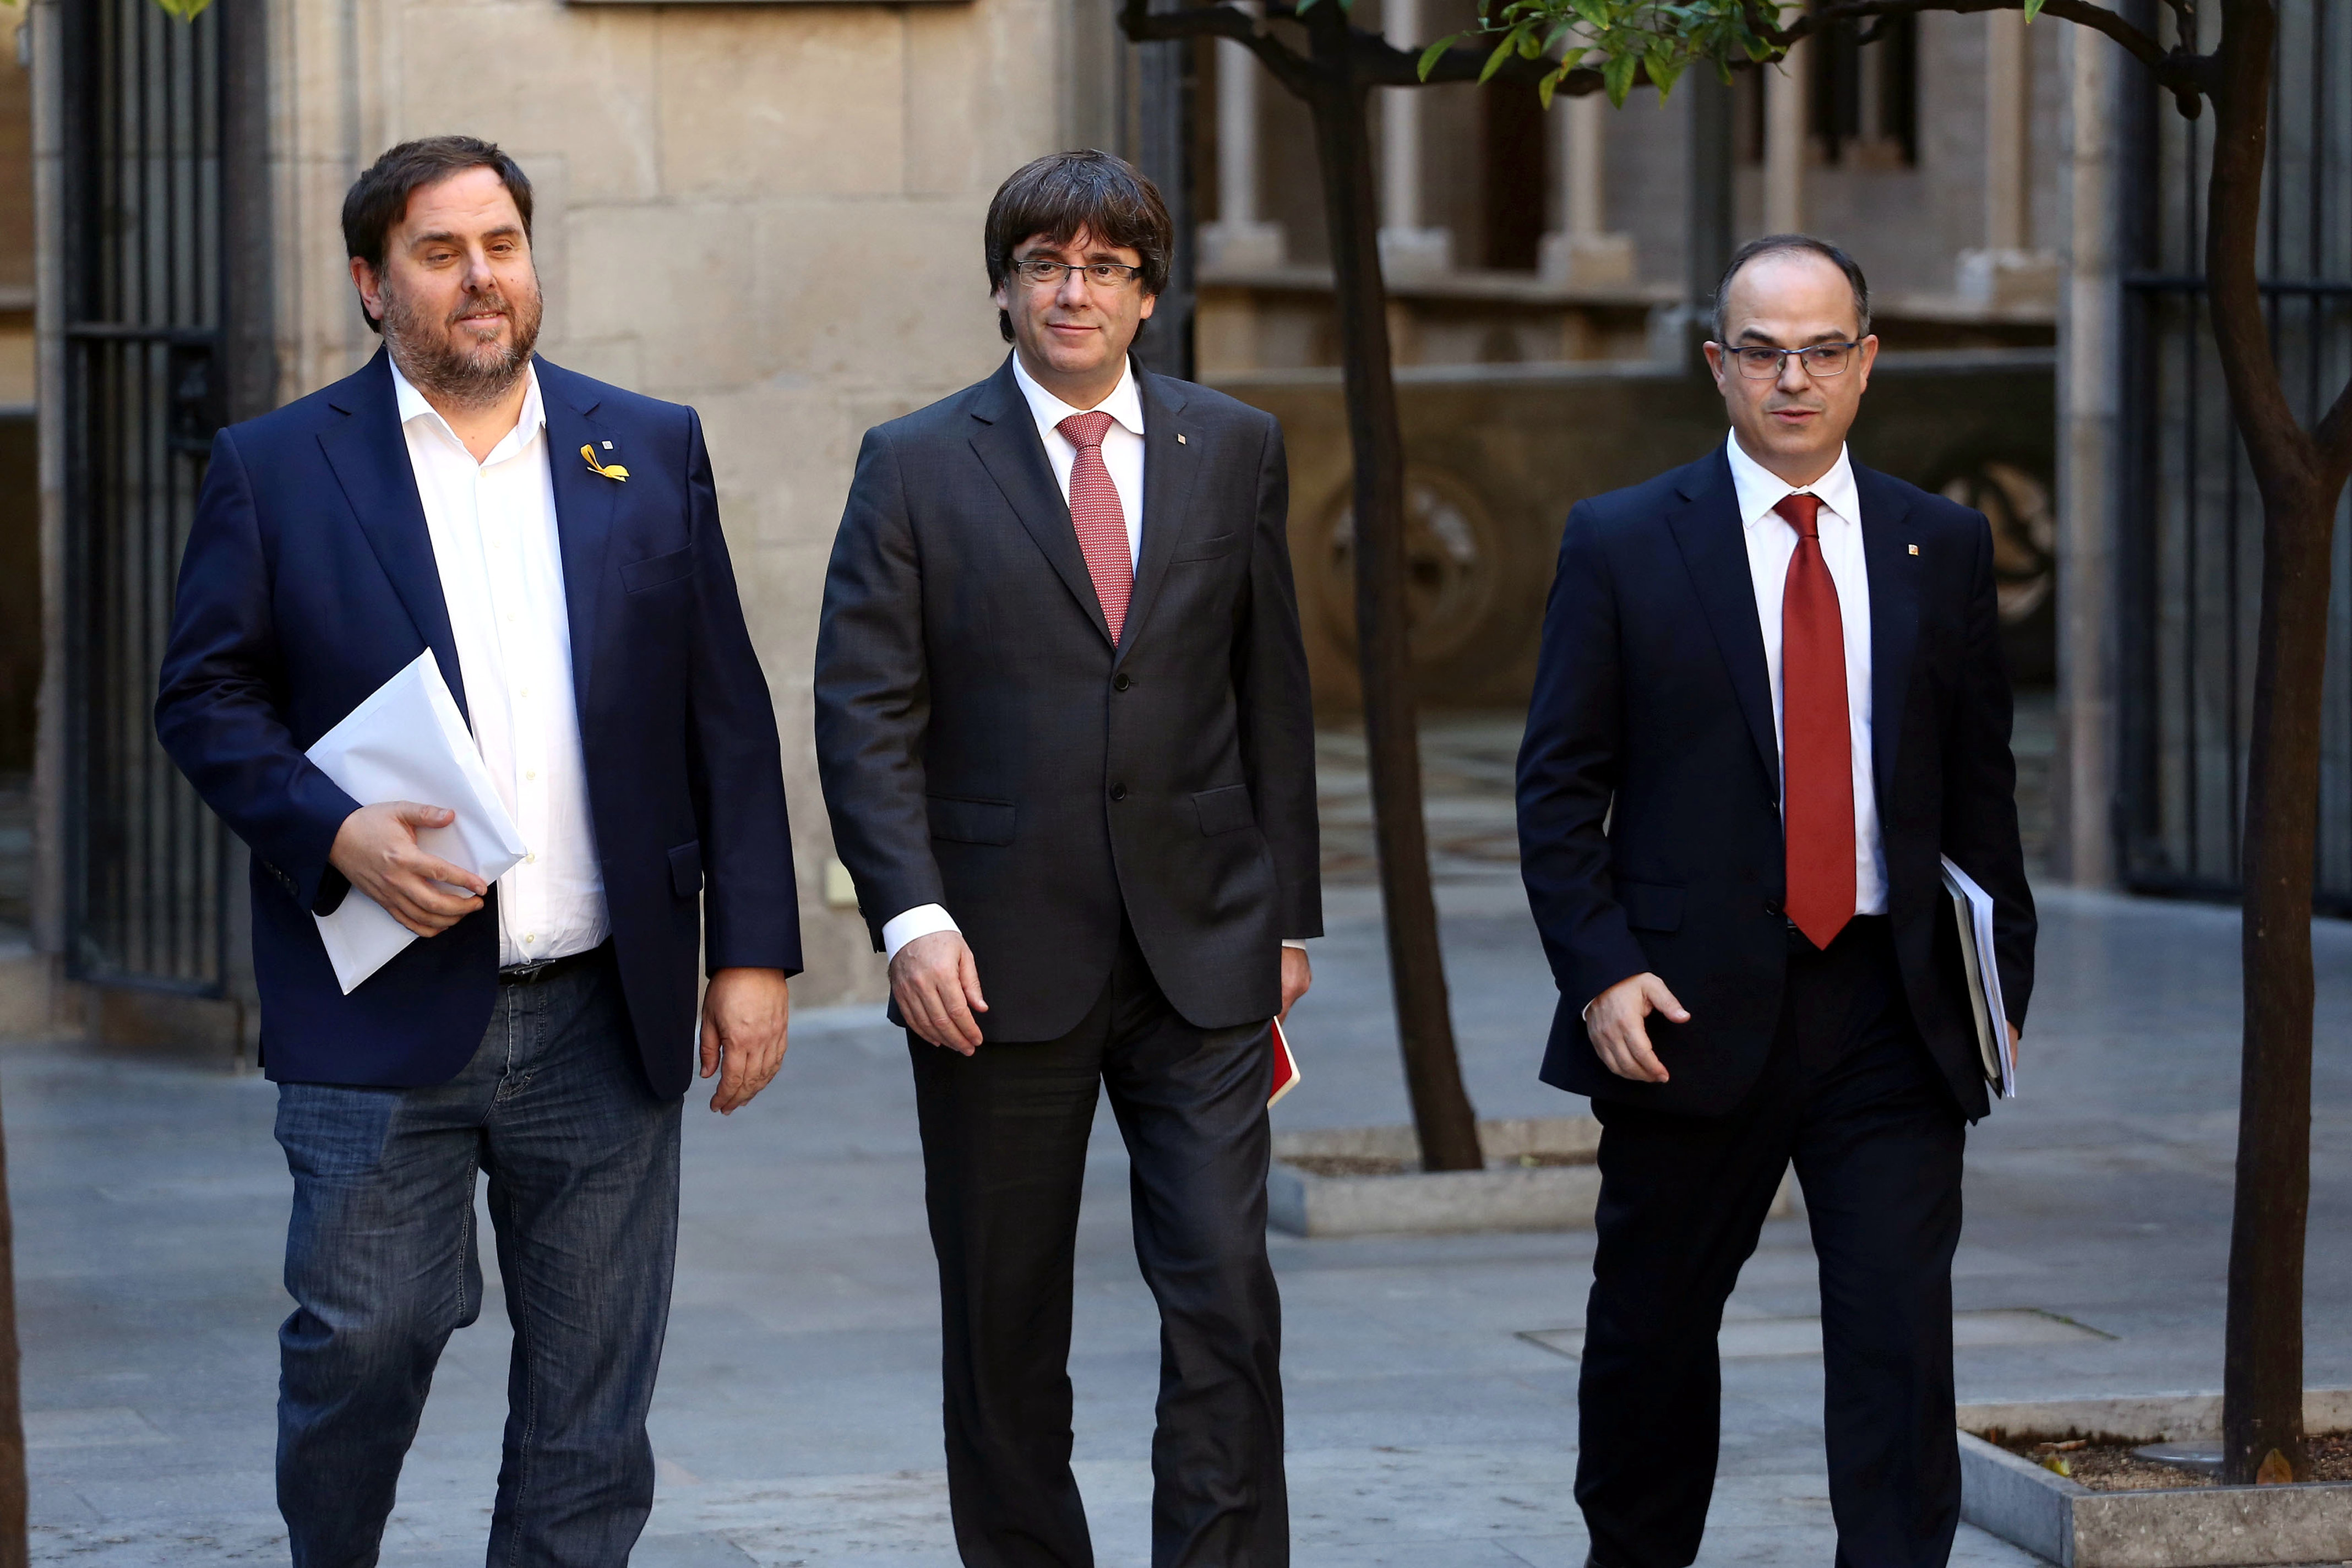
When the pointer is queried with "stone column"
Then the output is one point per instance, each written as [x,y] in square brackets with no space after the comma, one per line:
[1408,247]
[2084,774]
[2007,271]
[1581,252]
[1785,134]
[1239,241]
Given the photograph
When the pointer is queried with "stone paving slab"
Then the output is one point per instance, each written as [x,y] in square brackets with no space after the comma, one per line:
[797,1419]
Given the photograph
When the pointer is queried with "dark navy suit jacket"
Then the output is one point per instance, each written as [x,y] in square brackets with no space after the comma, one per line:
[1650,778]
[310,580]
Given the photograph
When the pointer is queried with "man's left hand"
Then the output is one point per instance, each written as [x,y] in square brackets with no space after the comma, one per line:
[1298,975]
[744,1017]
[2013,1037]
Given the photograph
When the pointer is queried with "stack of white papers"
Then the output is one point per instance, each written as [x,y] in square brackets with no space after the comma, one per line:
[409,742]
[1972,913]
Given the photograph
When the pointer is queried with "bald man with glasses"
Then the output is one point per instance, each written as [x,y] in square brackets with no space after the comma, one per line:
[1771,697]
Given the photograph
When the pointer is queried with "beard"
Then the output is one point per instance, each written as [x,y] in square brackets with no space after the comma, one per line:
[452,362]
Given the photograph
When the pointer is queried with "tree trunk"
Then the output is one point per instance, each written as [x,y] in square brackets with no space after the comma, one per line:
[1441,1110]
[2261,1400]
[2262,1379]
[13,1546]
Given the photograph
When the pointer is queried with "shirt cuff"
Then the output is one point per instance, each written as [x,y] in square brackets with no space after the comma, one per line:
[921,920]
[1294,942]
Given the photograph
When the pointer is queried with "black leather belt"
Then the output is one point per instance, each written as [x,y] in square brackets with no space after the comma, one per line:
[550,969]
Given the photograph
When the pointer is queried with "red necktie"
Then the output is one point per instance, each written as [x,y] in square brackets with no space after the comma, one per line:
[1816,742]
[1095,514]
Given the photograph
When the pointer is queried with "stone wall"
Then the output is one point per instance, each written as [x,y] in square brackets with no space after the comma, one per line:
[770,212]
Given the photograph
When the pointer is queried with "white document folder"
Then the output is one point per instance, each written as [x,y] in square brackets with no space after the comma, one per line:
[1972,913]
[409,742]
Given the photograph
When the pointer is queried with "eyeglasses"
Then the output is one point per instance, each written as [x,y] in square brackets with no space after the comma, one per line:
[1821,359]
[1101,274]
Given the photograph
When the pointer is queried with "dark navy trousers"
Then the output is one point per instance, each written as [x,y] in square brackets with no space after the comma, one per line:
[1851,1096]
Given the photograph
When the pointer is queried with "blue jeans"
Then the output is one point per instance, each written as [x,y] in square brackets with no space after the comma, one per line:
[382,1261]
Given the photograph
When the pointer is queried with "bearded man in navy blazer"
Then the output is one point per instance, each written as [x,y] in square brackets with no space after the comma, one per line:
[555,543]
[1771,697]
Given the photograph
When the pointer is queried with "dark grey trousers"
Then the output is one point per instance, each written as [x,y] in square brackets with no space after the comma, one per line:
[1004,1143]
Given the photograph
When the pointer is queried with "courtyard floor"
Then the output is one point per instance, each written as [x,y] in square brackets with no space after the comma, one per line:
[797,1421]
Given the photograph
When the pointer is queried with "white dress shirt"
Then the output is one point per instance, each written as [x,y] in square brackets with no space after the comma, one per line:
[1122,454]
[1771,544]
[493,528]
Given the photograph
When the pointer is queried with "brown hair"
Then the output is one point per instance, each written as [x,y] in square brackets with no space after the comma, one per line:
[379,198]
[1060,194]
[1795,245]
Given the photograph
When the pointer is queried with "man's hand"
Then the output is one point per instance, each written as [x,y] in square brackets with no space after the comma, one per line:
[937,986]
[376,848]
[1615,1022]
[2013,1037]
[745,1013]
[1298,975]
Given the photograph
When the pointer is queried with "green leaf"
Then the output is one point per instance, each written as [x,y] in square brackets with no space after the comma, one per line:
[1618,77]
[2032,9]
[184,10]
[1430,56]
[1663,68]
[1544,88]
[1502,51]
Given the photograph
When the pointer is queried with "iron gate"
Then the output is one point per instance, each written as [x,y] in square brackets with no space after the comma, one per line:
[157,136]
[2192,542]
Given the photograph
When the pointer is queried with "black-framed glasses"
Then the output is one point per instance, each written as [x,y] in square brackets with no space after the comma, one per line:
[1759,363]
[1040,274]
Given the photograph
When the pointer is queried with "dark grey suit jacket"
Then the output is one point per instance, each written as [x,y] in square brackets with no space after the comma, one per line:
[986,747]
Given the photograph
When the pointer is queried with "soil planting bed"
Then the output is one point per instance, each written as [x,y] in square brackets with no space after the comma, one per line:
[2115,1468]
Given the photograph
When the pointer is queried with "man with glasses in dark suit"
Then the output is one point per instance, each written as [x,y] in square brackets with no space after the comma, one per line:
[1771,697]
[1063,722]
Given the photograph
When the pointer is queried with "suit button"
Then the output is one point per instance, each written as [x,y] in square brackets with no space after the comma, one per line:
[1118,791]
[1771,906]
[1121,681]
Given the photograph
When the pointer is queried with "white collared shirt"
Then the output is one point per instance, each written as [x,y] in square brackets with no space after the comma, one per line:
[1771,544]
[1122,446]
[495,543]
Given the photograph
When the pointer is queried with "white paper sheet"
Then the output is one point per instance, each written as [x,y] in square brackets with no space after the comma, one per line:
[1984,972]
[409,742]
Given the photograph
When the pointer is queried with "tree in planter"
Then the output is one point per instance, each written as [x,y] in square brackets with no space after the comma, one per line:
[1579,45]
[1335,76]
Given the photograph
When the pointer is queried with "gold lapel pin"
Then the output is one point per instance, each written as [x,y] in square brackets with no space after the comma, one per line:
[1179,439]
[614,471]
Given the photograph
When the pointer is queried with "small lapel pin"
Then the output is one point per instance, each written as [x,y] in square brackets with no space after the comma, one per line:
[612,471]
[608,445]
[1915,550]
[1180,440]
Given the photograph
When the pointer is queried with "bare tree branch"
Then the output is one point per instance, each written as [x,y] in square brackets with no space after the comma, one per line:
[1373,60]
[1290,68]
[2180,72]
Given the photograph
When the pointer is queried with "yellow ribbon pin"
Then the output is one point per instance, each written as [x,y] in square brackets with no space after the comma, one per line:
[613,472]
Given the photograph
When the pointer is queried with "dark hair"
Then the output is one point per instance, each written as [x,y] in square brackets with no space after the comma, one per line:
[1793,245]
[379,198]
[1062,193]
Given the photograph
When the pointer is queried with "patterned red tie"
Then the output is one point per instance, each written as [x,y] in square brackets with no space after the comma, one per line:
[1816,743]
[1095,514]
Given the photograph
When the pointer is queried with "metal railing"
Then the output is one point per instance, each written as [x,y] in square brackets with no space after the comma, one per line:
[2193,539]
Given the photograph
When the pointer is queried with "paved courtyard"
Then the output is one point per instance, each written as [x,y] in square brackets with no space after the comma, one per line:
[797,1420]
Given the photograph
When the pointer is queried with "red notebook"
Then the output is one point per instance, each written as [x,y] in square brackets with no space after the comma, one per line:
[1285,1066]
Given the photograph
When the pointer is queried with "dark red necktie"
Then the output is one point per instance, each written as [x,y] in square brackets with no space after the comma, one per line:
[1816,741]
[1095,514]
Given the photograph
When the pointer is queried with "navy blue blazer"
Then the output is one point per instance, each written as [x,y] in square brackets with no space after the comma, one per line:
[1649,782]
[310,580]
